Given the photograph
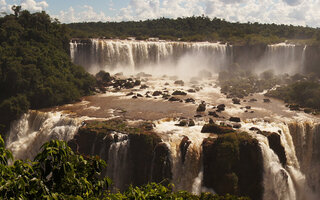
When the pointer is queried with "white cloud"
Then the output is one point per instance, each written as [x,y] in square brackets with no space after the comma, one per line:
[84,14]
[34,6]
[297,12]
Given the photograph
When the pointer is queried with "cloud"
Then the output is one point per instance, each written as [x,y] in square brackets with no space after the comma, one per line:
[86,13]
[293,2]
[297,12]
[34,6]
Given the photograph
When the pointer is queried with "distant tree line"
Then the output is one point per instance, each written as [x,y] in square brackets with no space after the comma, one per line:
[35,66]
[198,28]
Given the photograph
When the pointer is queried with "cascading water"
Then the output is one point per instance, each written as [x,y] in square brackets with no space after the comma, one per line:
[34,128]
[98,54]
[284,58]
[117,160]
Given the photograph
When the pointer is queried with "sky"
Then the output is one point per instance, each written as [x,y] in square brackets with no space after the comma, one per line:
[296,12]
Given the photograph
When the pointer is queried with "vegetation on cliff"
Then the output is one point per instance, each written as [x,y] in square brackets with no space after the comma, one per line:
[233,163]
[304,93]
[35,67]
[194,28]
[58,173]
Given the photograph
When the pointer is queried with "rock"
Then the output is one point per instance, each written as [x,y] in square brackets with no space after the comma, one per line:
[294,107]
[211,121]
[234,119]
[251,111]
[166,83]
[307,110]
[156,93]
[134,97]
[191,123]
[252,100]
[214,128]
[174,99]
[142,74]
[198,116]
[139,95]
[184,144]
[233,164]
[213,113]
[254,129]
[137,83]
[177,92]
[201,107]
[189,100]
[129,94]
[103,76]
[191,91]
[221,107]
[143,86]
[165,96]
[161,167]
[236,125]
[236,101]
[182,123]
[179,82]
[266,100]
[248,107]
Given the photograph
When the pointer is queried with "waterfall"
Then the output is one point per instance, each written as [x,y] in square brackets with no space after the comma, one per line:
[284,58]
[117,165]
[132,55]
[306,140]
[34,128]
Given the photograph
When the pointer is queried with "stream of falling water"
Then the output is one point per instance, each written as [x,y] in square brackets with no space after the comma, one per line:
[34,128]
[117,165]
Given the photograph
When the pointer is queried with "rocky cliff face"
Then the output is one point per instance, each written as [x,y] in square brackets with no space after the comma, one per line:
[233,163]
[134,154]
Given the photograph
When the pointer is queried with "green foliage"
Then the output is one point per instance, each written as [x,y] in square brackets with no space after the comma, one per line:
[240,83]
[56,173]
[153,191]
[304,93]
[194,28]
[35,66]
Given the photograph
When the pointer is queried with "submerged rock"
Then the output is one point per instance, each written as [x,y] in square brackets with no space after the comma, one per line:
[179,82]
[174,99]
[221,107]
[266,100]
[236,101]
[213,113]
[189,100]
[234,119]
[191,123]
[156,93]
[201,107]
[177,92]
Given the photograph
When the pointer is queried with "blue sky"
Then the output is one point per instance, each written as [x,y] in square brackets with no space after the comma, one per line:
[297,12]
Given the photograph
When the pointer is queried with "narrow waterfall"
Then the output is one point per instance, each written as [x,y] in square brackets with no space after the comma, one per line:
[117,164]
[132,55]
[34,128]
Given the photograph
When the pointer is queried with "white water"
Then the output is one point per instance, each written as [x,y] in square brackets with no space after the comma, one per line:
[284,58]
[34,128]
[133,56]
[186,175]
[117,168]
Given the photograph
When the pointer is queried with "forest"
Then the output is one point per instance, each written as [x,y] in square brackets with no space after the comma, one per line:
[35,66]
[197,28]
